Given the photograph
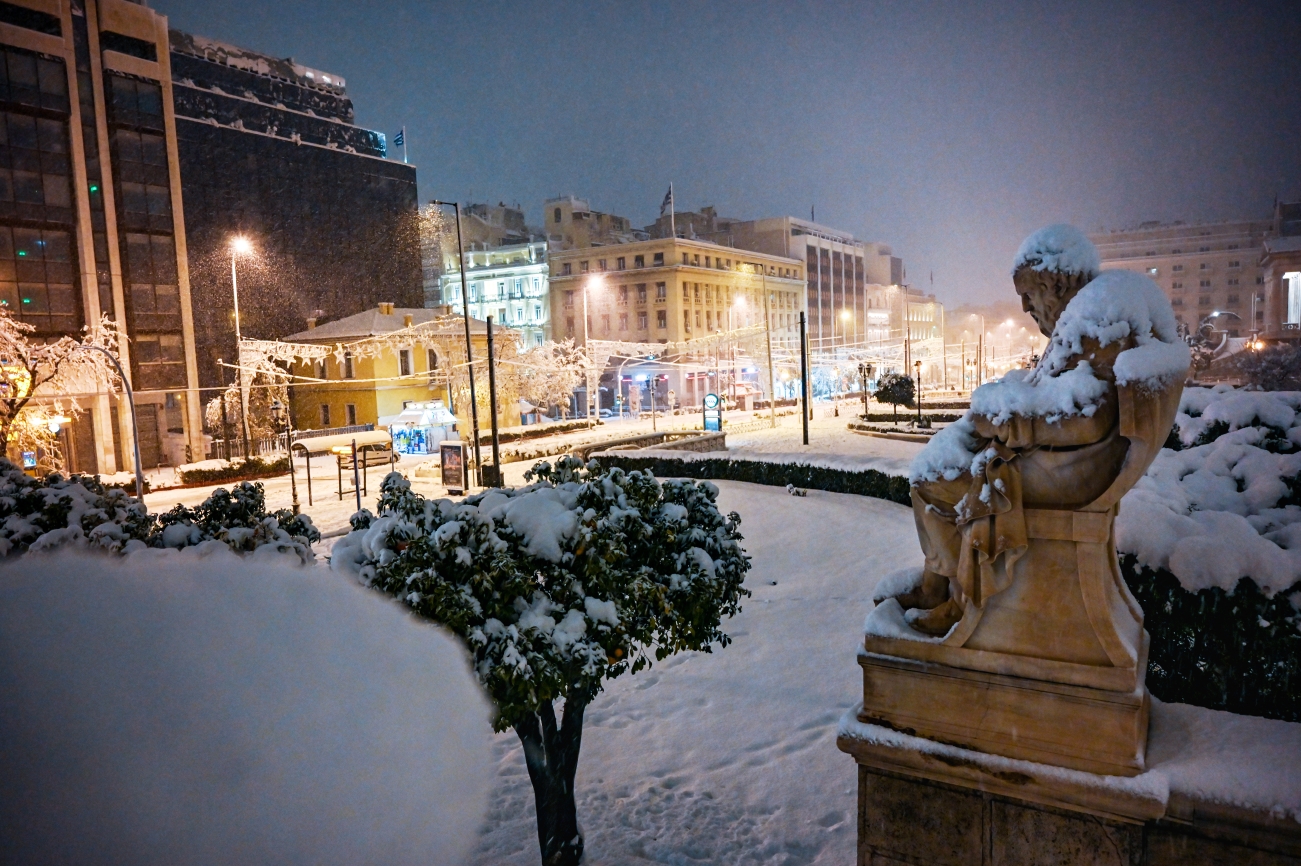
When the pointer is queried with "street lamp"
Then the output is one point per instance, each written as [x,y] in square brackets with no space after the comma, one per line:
[469,354]
[280,415]
[135,428]
[865,372]
[240,246]
[917,365]
[595,280]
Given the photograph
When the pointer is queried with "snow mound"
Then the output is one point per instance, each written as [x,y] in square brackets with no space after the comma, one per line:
[177,708]
[1214,513]
[1059,247]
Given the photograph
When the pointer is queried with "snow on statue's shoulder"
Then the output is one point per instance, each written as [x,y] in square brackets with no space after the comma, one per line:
[947,455]
[1121,305]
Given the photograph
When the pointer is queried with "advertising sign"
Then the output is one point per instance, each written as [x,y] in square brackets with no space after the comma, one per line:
[713,413]
[451,455]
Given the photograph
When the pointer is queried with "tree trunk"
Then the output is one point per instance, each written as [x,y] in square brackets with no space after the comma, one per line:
[551,754]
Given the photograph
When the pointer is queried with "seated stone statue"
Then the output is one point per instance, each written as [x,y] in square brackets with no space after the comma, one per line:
[1039,444]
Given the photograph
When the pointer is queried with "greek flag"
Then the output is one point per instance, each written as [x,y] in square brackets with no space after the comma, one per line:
[400,139]
[668,200]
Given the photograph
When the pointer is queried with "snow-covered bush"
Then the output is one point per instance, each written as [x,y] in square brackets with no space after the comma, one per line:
[1211,545]
[895,389]
[44,513]
[556,587]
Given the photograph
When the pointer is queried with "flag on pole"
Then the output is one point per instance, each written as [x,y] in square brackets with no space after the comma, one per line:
[668,200]
[399,140]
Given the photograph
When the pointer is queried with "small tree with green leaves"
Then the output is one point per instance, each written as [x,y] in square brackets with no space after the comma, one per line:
[557,587]
[895,388]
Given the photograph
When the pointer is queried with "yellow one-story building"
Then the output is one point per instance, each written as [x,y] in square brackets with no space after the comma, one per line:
[386,358]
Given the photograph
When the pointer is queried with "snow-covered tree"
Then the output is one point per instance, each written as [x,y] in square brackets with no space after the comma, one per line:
[548,374]
[36,372]
[895,388]
[581,577]
[1276,368]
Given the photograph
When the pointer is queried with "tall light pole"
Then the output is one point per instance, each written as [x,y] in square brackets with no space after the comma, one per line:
[239,246]
[135,428]
[465,308]
[593,280]
[280,413]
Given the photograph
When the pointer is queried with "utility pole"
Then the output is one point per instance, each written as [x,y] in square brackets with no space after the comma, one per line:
[767,329]
[469,354]
[494,479]
[804,378]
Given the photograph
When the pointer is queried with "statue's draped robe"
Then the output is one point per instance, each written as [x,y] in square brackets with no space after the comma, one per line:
[972,528]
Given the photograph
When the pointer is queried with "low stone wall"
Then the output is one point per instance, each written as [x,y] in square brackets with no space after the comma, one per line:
[664,440]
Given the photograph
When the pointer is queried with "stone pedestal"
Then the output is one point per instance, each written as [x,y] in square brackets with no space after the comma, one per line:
[922,802]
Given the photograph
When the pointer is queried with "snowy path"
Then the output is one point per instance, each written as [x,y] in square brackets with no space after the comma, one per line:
[731,757]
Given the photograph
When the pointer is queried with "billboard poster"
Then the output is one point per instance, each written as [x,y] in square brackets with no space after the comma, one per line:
[452,457]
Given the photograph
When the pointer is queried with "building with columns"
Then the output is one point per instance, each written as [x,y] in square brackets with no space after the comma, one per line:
[91,215]
[509,283]
[671,290]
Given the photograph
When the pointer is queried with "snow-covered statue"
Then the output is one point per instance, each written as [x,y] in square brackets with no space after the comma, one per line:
[1018,636]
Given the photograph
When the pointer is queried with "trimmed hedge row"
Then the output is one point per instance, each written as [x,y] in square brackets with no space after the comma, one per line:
[1238,651]
[247,470]
[866,482]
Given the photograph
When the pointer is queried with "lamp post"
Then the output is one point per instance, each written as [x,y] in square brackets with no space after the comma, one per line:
[917,365]
[465,308]
[240,246]
[281,414]
[865,372]
[593,280]
[135,428]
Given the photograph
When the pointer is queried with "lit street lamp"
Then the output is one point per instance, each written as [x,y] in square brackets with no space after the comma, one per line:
[593,280]
[279,413]
[240,246]
[917,365]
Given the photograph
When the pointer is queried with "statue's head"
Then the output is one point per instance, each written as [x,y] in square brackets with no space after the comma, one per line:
[1051,267]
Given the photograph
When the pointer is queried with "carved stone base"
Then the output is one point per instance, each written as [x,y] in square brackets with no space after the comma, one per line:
[1078,727]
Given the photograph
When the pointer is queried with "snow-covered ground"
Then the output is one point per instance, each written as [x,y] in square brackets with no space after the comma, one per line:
[730,757]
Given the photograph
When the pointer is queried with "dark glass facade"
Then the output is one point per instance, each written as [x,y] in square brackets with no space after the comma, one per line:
[332,223]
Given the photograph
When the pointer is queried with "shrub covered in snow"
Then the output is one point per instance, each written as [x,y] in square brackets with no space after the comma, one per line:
[556,587]
[42,514]
[1213,537]
[895,389]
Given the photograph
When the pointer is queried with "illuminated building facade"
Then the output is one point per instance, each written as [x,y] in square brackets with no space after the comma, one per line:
[510,283]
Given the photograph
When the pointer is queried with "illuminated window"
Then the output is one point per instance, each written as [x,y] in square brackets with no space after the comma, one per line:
[1292,282]
[661,319]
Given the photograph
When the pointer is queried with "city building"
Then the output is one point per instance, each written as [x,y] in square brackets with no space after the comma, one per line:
[570,223]
[509,283]
[368,389]
[268,150]
[1280,264]
[483,227]
[671,290]
[705,225]
[1205,269]
[92,221]
[846,277]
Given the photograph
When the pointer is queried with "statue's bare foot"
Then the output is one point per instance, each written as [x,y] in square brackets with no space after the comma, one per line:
[938,620]
[932,592]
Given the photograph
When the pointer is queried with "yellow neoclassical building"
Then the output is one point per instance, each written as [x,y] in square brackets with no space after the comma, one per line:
[386,358]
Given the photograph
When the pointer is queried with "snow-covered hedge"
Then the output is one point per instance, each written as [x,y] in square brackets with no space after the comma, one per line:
[39,514]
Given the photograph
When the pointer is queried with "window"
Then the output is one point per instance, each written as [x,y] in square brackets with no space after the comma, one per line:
[37,278]
[322,371]
[348,372]
[709,320]
[623,321]
[152,286]
[1292,283]
[684,259]
[1176,251]
[30,19]
[27,79]
[1152,272]
[686,293]
[432,359]
[1177,302]
[404,362]
[639,261]
[110,41]
[37,170]
[706,261]
[659,259]
[695,259]
[325,414]
[566,269]
[1233,246]
[661,292]
[697,318]
[1205,284]
[1233,281]
[623,296]
[135,103]
[555,215]
[160,361]
[641,320]
[600,265]
[1203,266]
[697,293]
[350,414]
[1232,300]
[1176,285]
[605,322]
[582,267]
[537,312]
[1177,268]
[619,263]
[661,319]
[641,293]
[1204,300]
[569,326]
[1203,249]
[569,300]
[686,319]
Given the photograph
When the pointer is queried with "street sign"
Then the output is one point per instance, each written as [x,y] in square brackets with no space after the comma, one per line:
[713,414]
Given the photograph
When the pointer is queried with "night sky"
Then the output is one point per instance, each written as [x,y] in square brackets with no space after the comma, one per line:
[949,131]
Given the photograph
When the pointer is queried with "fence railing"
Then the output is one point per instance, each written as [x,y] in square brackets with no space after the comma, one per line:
[267,445]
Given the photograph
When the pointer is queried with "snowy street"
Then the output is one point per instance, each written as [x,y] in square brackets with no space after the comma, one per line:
[731,757]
